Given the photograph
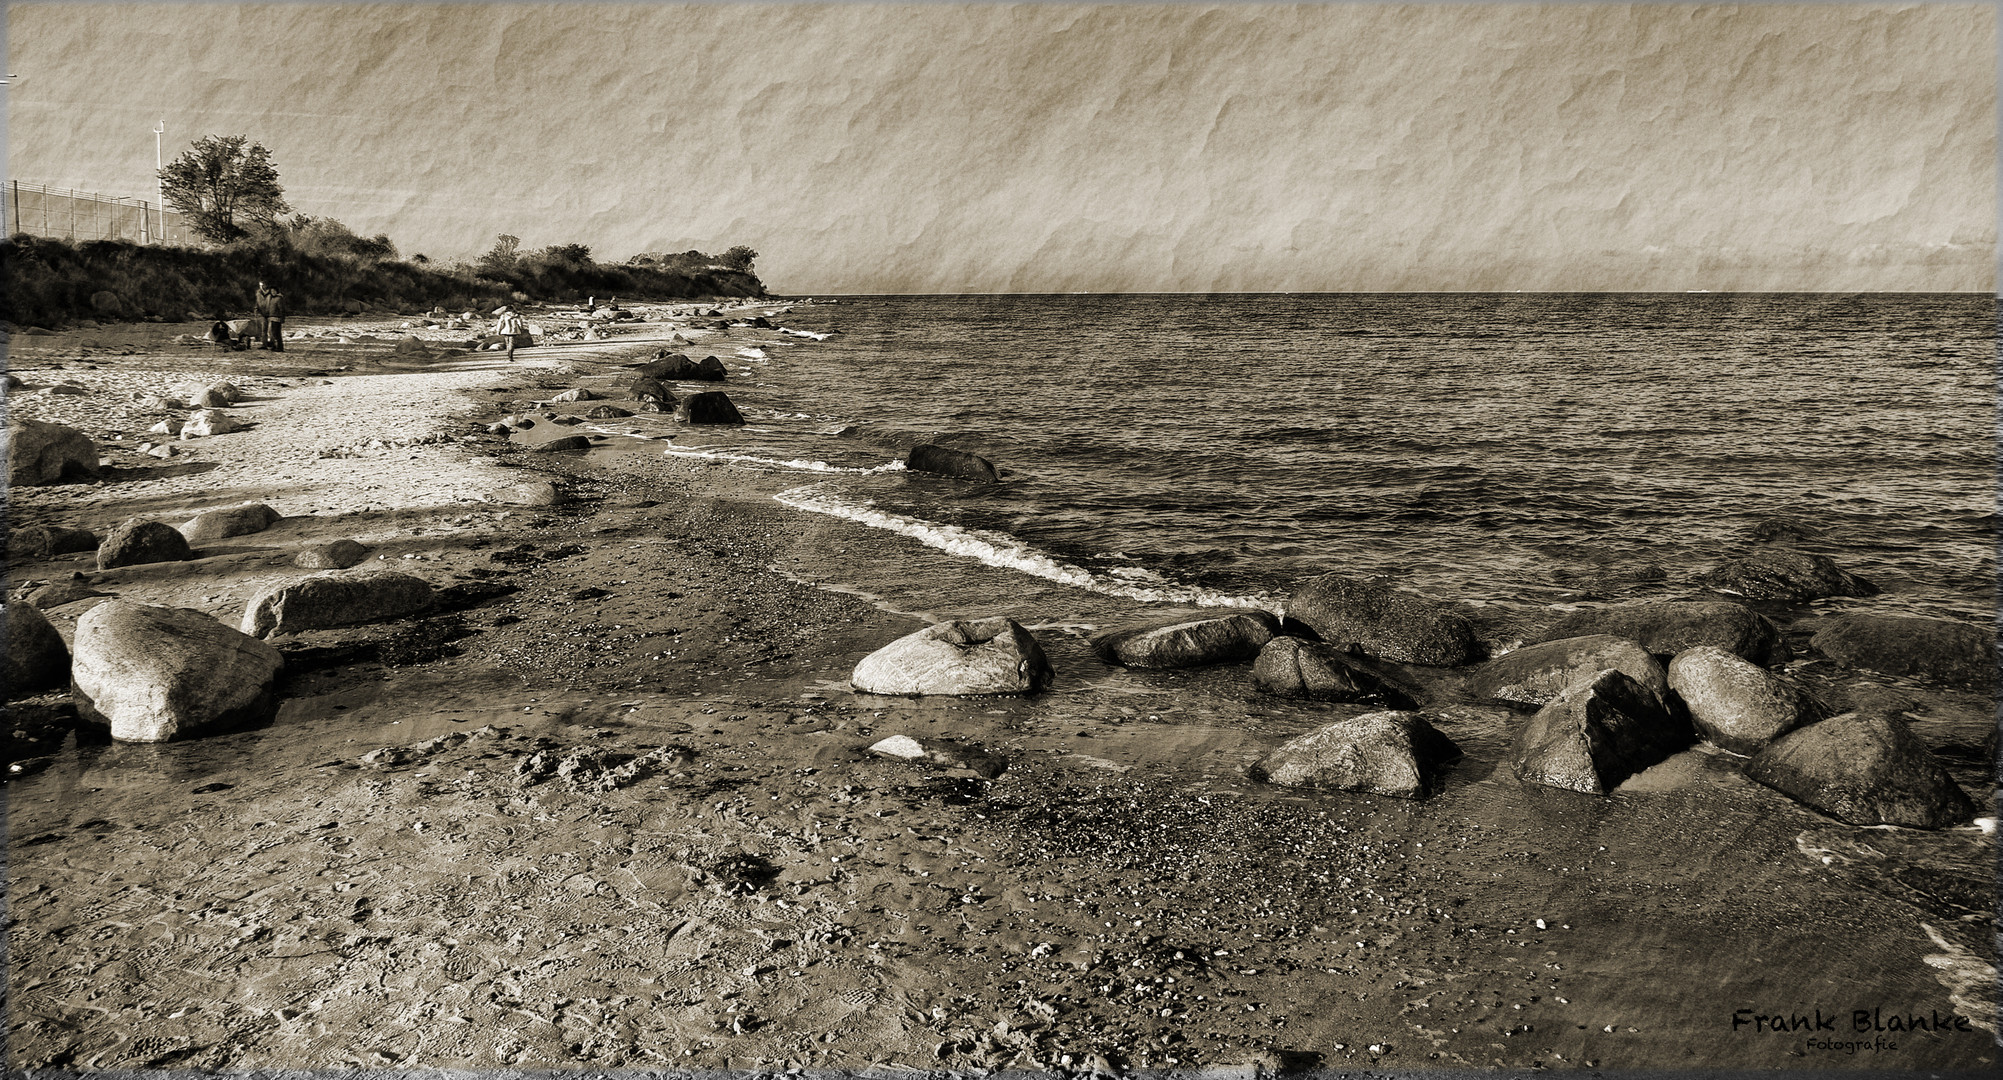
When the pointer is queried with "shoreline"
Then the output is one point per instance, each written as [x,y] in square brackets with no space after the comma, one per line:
[771,895]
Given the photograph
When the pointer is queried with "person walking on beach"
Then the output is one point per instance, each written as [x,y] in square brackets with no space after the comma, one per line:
[507,326]
[271,317]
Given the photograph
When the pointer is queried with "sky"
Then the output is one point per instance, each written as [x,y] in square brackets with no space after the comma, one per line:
[864,148]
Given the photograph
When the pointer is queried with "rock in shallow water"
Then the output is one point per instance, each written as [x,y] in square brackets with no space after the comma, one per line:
[709,407]
[1734,704]
[1595,734]
[1668,628]
[979,656]
[1536,674]
[1863,769]
[1785,575]
[156,673]
[945,753]
[1958,653]
[1290,667]
[1387,622]
[1387,753]
[326,600]
[1188,641]
[946,461]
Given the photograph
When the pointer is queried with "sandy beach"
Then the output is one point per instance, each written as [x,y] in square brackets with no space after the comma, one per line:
[610,803]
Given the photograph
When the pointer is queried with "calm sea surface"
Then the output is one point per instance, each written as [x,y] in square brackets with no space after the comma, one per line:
[1513,451]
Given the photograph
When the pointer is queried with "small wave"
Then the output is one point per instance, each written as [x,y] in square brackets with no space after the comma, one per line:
[750,353]
[775,463]
[997,549]
[808,334]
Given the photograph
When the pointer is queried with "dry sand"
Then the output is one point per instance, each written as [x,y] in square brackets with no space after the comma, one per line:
[611,806]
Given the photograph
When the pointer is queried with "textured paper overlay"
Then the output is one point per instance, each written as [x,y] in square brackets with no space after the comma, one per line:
[1059,147]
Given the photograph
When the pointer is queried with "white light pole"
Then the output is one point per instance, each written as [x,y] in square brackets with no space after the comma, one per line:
[159,185]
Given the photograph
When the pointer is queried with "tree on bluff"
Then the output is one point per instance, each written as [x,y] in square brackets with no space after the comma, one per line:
[221,184]
[738,258]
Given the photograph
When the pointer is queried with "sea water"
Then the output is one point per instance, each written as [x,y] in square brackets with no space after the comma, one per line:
[1516,452]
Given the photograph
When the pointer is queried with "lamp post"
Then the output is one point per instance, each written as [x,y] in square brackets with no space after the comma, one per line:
[159,185]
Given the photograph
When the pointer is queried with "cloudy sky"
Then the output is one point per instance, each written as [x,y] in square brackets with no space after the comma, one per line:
[1055,148]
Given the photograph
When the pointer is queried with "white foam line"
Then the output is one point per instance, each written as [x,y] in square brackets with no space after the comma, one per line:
[996,549]
[796,463]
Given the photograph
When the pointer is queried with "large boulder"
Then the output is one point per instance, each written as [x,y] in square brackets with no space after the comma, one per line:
[1737,705]
[1535,674]
[1783,574]
[37,659]
[325,600]
[43,453]
[46,541]
[1291,667]
[1595,734]
[1387,622]
[925,457]
[136,542]
[577,394]
[1188,641]
[962,657]
[708,369]
[155,673]
[231,521]
[332,555]
[1864,769]
[1668,628]
[668,366]
[710,407]
[1958,653]
[1384,753]
[216,395]
[533,493]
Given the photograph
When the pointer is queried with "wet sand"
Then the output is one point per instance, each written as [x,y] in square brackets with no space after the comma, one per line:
[611,805]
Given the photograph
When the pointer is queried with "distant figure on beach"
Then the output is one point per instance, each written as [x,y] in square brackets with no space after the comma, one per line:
[222,333]
[507,327]
[271,317]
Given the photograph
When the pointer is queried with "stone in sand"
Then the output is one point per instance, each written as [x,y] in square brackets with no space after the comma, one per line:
[231,521]
[60,593]
[1535,674]
[945,753]
[945,461]
[1291,667]
[711,407]
[962,657]
[210,422]
[66,390]
[1863,769]
[326,600]
[1595,734]
[646,389]
[1388,622]
[1668,628]
[43,541]
[332,555]
[36,656]
[1399,754]
[1943,650]
[566,443]
[536,493]
[606,412]
[43,453]
[579,394]
[162,404]
[1785,575]
[1187,641]
[155,673]
[136,542]
[1737,705]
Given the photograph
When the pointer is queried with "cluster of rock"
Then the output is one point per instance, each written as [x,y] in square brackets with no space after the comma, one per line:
[151,673]
[1615,690]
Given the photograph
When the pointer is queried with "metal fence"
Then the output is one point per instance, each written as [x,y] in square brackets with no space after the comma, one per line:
[40,210]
